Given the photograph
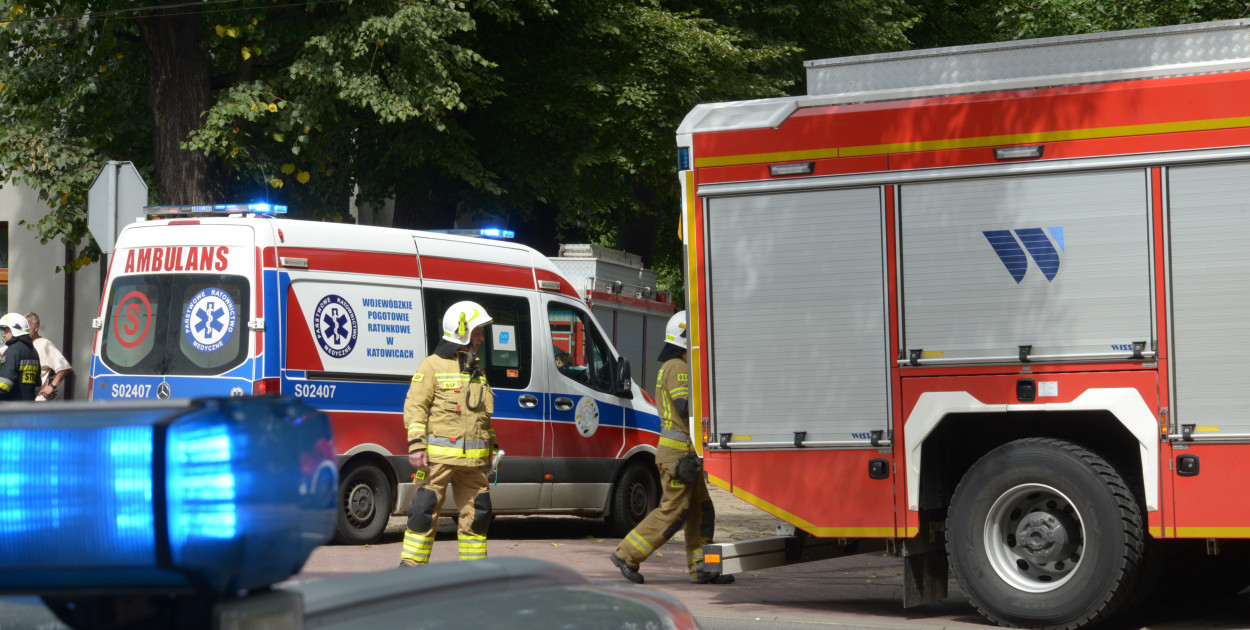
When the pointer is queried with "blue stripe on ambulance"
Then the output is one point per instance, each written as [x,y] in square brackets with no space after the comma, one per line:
[271,364]
[635,419]
[389,397]
[611,415]
[109,385]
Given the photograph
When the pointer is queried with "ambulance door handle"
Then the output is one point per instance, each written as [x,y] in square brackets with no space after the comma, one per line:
[528,401]
[564,404]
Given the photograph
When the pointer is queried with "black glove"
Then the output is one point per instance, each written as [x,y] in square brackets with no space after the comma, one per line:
[687,468]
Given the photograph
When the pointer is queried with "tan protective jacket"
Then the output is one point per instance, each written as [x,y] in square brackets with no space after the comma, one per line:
[440,417]
[671,384]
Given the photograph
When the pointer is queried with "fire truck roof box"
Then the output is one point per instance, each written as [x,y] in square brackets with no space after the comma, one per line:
[606,269]
[1025,64]
[599,252]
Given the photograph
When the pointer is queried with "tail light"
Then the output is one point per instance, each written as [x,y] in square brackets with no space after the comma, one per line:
[267,386]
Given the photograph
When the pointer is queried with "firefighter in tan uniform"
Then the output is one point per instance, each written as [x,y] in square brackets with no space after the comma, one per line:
[447,414]
[685,502]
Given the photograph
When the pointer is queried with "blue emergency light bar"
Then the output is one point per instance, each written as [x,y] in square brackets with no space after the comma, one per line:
[481,232]
[220,209]
[217,495]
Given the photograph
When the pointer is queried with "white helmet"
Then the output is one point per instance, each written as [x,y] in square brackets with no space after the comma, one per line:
[16,323]
[461,319]
[675,331]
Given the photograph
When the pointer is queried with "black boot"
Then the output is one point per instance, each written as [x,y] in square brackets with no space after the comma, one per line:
[702,577]
[630,573]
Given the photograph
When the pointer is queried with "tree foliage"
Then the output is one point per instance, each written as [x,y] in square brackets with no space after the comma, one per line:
[560,114]
[555,117]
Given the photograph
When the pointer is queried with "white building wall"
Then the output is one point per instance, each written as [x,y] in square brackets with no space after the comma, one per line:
[35,285]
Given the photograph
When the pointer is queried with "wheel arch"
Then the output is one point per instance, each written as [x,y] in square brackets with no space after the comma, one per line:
[644,453]
[947,432]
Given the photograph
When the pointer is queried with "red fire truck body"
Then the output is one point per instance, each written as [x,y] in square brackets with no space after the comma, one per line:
[990,294]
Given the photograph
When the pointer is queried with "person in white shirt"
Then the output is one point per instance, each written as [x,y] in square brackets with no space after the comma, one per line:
[56,367]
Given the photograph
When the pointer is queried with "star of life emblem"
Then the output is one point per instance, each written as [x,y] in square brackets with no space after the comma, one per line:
[209,320]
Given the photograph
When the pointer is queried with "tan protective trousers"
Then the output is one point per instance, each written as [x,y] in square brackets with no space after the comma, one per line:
[682,506]
[472,492]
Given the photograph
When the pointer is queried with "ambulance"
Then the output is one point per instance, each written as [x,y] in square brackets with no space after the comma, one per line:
[233,300]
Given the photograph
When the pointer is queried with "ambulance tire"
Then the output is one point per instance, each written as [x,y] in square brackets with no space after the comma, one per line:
[364,505]
[1043,533]
[636,493]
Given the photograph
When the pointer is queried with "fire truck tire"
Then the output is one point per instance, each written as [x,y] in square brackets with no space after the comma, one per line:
[635,494]
[364,505]
[1043,533]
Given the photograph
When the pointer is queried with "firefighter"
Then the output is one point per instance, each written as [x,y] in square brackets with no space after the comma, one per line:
[685,502]
[450,439]
[19,366]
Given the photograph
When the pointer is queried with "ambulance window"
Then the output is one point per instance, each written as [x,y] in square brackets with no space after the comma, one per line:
[187,324]
[508,350]
[581,354]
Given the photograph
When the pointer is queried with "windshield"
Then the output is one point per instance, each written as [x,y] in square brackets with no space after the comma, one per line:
[185,324]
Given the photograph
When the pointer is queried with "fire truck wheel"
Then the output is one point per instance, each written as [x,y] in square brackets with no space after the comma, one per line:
[1043,533]
[635,494]
[364,505]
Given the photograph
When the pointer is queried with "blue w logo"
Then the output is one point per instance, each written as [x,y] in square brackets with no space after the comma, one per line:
[1010,246]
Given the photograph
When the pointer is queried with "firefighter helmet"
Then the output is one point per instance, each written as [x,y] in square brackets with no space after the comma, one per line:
[461,319]
[16,323]
[675,331]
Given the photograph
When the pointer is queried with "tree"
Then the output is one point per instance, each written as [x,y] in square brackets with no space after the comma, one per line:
[958,22]
[309,104]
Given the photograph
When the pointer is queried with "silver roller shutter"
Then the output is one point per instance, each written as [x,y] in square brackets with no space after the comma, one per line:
[1209,217]
[630,342]
[1057,262]
[798,334]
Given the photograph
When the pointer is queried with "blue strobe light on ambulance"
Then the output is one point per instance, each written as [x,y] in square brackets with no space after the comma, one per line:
[234,301]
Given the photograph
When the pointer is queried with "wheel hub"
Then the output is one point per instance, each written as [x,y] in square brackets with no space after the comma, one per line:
[360,503]
[1033,538]
[1042,537]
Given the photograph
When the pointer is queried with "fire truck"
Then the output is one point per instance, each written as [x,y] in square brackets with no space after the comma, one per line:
[982,307]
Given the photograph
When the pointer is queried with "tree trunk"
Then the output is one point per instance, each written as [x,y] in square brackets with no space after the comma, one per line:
[178,94]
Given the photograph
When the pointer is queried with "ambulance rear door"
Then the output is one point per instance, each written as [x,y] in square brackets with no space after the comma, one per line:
[176,313]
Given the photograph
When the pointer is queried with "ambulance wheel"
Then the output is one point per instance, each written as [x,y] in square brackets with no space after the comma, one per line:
[635,494]
[364,505]
[1044,533]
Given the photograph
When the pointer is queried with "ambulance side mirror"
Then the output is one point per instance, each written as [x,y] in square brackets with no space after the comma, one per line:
[624,384]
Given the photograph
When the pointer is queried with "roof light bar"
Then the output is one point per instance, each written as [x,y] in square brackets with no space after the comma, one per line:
[220,495]
[479,232]
[220,209]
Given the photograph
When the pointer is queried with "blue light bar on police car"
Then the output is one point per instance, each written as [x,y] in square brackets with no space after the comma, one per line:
[216,494]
